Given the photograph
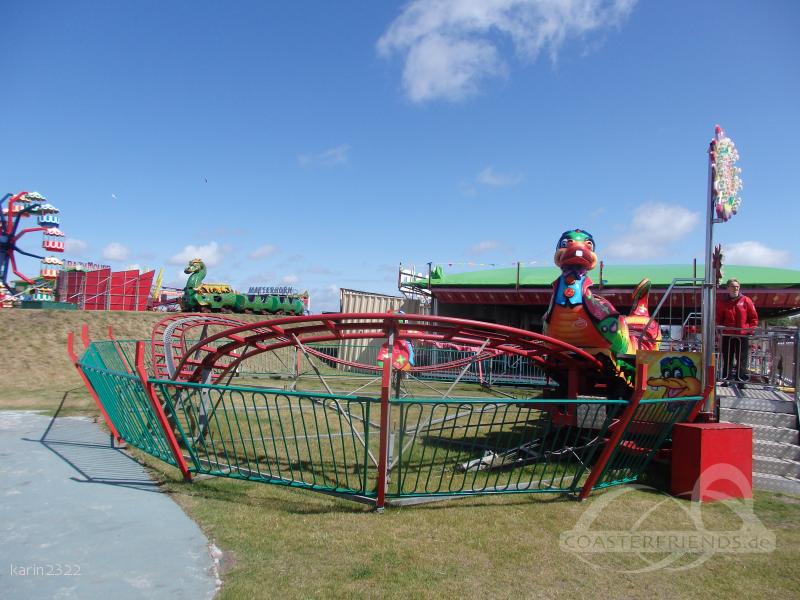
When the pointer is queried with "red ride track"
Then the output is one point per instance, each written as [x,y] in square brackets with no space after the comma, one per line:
[223,351]
[170,336]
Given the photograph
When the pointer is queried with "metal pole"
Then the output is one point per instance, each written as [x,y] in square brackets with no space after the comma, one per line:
[709,298]
[430,265]
[601,276]
[383,458]
[796,374]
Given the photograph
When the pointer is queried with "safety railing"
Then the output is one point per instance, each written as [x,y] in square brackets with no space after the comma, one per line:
[125,401]
[404,450]
[759,358]
[500,369]
[315,441]
[648,429]
[678,313]
[459,448]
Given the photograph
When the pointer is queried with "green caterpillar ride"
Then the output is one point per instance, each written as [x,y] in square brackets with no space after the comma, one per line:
[221,297]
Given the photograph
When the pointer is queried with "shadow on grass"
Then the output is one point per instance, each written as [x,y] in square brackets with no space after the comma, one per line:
[84,447]
[277,498]
[296,501]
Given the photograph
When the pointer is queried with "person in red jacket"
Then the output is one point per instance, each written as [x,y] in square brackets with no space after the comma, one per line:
[737,317]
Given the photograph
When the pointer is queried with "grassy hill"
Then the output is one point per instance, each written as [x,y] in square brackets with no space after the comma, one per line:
[37,372]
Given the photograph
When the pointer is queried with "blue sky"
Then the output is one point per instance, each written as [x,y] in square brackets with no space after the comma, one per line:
[320,144]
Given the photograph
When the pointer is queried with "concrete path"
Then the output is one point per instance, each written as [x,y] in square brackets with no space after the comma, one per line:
[79,519]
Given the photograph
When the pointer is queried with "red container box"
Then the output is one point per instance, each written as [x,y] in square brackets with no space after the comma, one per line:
[712,461]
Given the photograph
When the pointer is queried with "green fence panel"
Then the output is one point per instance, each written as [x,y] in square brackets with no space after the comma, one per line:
[330,443]
[125,400]
[316,441]
[646,433]
[453,448]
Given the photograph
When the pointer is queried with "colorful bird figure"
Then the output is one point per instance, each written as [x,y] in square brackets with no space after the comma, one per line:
[579,317]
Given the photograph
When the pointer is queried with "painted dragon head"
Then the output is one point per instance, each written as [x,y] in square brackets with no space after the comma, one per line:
[575,249]
[195,265]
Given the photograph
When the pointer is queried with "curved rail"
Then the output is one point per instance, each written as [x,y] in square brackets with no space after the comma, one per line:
[453,364]
[170,341]
[216,354]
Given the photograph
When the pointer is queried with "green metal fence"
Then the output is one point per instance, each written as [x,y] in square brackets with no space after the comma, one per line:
[455,448]
[437,448]
[125,400]
[496,370]
[316,441]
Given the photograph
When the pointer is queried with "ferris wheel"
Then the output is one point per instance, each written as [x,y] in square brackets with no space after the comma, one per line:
[21,206]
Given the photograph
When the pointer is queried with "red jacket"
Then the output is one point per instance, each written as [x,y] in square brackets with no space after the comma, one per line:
[739,313]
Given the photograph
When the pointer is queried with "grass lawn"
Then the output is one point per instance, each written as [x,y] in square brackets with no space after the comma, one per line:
[287,543]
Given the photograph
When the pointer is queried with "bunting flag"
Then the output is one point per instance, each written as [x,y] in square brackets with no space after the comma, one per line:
[522,263]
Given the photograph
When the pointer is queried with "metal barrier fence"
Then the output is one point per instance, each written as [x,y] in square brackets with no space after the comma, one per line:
[378,450]
[761,358]
[501,369]
[678,313]
[125,400]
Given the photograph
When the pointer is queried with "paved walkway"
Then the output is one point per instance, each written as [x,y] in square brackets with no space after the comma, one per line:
[79,519]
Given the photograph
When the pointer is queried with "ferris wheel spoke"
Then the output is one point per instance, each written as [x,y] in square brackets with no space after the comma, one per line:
[20,251]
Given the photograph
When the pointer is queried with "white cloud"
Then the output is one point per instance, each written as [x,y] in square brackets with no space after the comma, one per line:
[75,247]
[653,228]
[451,46]
[212,254]
[440,66]
[115,251]
[338,155]
[324,298]
[289,279]
[484,246]
[491,177]
[598,212]
[263,251]
[755,254]
[178,280]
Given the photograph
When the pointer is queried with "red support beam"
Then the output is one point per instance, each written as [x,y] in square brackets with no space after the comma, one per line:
[85,336]
[619,429]
[74,358]
[573,383]
[162,418]
[383,457]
